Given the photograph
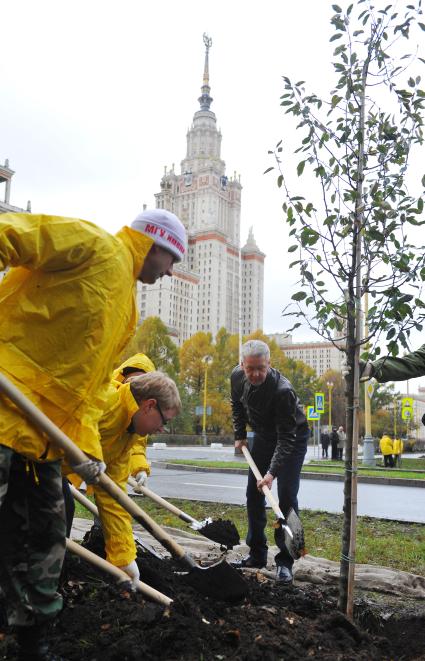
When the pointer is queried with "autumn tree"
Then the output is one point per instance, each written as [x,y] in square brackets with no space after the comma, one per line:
[354,235]
[152,338]
[192,365]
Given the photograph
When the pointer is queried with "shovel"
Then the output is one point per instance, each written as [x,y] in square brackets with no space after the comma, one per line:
[219,581]
[289,532]
[222,532]
[118,574]
[91,507]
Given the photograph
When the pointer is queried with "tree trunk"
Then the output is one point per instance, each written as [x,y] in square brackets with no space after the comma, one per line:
[354,337]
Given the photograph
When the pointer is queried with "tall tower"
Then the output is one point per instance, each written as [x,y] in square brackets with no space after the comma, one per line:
[252,285]
[209,204]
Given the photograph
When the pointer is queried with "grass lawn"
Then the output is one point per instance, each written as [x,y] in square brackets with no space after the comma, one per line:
[379,542]
[324,467]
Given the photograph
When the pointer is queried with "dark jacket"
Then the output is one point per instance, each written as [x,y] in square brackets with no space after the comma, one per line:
[272,410]
[324,439]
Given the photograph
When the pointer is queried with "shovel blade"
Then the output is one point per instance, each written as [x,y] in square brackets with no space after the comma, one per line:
[219,581]
[295,545]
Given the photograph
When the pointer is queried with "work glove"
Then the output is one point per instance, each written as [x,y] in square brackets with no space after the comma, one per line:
[89,470]
[141,478]
[132,571]
[365,369]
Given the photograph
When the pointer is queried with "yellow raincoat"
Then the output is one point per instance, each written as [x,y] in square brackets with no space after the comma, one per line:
[67,309]
[139,461]
[124,454]
[386,445]
[117,446]
[398,446]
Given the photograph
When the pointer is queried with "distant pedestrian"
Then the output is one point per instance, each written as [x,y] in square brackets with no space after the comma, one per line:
[386,447]
[334,444]
[324,442]
[398,447]
[341,442]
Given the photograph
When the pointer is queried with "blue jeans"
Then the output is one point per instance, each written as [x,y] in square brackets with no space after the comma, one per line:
[262,448]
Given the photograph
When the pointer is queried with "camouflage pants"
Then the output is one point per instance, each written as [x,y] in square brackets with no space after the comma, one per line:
[32,537]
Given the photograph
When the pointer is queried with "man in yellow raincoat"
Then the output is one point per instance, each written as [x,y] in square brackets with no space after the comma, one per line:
[143,405]
[138,364]
[386,447]
[67,310]
[398,447]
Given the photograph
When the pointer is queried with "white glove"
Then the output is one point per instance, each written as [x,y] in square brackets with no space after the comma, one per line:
[133,572]
[89,470]
[365,369]
[141,478]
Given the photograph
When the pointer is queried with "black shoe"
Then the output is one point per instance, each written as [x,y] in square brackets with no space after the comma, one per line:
[250,562]
[284,575]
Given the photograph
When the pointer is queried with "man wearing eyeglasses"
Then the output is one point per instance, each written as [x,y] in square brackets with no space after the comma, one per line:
[264,399]
[142,405]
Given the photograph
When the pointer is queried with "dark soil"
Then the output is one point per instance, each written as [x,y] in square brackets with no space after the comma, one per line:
[100,622]
[222,531]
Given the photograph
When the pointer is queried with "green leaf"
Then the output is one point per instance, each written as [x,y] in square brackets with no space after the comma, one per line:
[268,170]
[293,248]
[299,296]
[300,168]
[337,9]
[336,36]
[280,181]
[423,181]
[422,26]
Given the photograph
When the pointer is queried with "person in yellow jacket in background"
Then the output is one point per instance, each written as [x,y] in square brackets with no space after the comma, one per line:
[398,447]
[67,309]
[143,405]
[386,447]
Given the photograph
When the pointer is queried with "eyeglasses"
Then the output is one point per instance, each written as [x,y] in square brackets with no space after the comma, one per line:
[163,418]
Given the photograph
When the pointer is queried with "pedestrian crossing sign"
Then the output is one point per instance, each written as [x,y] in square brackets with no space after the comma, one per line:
[312,414]
[407,413]
[319,402]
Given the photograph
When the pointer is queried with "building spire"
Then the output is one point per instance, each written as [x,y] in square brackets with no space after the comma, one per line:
[205,100]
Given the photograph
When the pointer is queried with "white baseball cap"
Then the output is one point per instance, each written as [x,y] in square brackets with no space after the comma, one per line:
[164,228]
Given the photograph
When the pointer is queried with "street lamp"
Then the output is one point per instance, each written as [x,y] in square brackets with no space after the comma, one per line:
[368,442]
[330,385]
[207,360]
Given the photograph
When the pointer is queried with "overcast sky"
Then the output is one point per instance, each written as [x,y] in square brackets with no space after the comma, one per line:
[97,96]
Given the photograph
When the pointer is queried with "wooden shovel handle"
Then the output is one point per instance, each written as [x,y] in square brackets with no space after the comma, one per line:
[161,501]
[76,456]
[117,573]
[266,491]
[85,502]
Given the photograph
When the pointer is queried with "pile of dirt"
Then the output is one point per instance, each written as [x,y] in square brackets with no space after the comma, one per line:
[222,531]
[100,622]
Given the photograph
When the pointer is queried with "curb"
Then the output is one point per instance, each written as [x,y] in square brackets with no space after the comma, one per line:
[326,477]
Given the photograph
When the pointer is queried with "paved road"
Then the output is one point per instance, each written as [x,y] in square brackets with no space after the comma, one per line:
[381,501]
[224,453]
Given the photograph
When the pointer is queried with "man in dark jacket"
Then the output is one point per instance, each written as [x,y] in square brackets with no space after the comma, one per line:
[324,441]
[334,438]
[264,399]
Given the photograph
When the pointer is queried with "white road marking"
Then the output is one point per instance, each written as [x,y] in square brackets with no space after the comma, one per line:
[207,484]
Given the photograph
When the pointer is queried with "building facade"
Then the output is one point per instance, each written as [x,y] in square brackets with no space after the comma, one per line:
[6,175]
[321,356]
[205,293]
